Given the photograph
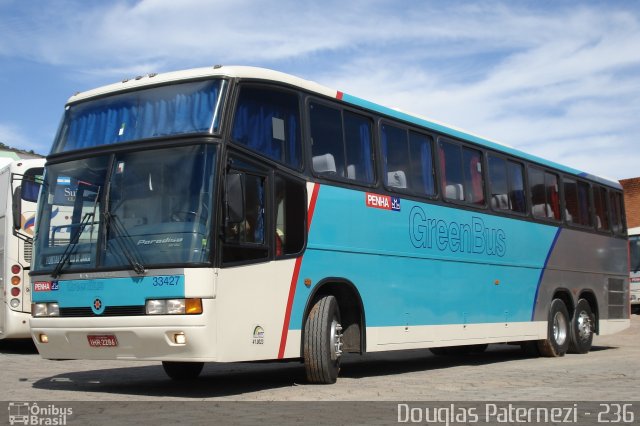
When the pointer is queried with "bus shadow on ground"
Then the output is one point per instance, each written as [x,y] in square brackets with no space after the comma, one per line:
[18,347]
[220,380]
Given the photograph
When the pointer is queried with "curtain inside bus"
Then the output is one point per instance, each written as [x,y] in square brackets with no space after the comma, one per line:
[159,111]
[267,121]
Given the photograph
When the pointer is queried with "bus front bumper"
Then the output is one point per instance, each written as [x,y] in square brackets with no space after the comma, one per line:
[149,337]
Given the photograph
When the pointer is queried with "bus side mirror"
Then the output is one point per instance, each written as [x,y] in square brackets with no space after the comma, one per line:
[234,196]
[17,208]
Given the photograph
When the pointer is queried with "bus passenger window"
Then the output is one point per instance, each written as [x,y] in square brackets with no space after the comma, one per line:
[545,200]
[617,215]
[395,153]
[327,146]
[245,240]
[341,144]
[452,179]
[553,195]
[357,133]
[517,197]
[498,183]
[576,199]
[571,201]
[268,121]
[600,205]
[421,157]
[506,180]
[473,181]
[290,206]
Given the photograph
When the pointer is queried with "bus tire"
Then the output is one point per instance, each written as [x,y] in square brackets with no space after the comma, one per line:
[557,342]
[323,341]
[582,327]
[182,370]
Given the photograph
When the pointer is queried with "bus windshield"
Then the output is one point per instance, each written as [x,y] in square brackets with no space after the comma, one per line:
[127,210]
[185,108]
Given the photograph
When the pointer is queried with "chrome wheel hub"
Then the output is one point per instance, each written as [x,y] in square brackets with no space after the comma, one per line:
[585,326]
[336,339]
[559,328]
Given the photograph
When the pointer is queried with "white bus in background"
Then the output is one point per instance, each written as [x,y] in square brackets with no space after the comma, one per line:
[634,267]
[20,183]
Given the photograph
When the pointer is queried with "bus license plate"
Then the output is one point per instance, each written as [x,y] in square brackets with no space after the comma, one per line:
[103,340]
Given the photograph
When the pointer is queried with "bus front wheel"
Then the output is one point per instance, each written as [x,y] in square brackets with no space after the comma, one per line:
[557,342]
[182,370]
[582,328]
[323,341]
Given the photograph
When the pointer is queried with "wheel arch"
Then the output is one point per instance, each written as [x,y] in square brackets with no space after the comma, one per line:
[352,314]
[564,294]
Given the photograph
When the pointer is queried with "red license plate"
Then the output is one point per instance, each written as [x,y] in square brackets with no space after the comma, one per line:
[103,340]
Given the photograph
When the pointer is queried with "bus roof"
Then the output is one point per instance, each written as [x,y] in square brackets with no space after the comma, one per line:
[271,75]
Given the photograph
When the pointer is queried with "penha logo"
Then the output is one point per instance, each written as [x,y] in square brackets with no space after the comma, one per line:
[45,286]
[383,202]
[42,286]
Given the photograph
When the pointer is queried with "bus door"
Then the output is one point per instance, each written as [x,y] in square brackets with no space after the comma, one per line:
[263,231]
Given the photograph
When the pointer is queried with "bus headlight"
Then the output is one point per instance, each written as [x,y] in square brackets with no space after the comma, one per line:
[173,306]
[15,303]
[50,309]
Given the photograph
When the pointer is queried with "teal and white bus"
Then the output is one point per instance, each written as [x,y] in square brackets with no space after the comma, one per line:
[233,214]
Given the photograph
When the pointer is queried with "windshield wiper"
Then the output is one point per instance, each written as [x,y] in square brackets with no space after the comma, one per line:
[129,250]
[72,245]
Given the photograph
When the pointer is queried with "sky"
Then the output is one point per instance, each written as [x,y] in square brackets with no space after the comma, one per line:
[558,79]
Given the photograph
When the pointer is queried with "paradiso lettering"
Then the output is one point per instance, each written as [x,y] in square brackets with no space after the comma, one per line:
[474,237]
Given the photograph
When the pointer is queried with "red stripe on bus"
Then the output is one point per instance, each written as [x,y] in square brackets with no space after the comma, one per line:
[339,95]
[294,278]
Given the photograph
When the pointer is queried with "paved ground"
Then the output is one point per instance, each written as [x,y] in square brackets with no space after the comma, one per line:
[611,371]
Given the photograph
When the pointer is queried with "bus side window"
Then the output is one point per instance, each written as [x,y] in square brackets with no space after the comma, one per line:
[617,215]
[421,157]
[245,239]
[498,183]
[545,199]
[268,121]
[290,206]
[462,173]
[600,204]
[341,144]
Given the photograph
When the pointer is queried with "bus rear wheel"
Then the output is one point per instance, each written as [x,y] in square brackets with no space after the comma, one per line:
[557,342]
[582,328]
[182,370]
[323,341]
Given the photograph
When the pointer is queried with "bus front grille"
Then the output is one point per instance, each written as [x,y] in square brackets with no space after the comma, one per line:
[109,311]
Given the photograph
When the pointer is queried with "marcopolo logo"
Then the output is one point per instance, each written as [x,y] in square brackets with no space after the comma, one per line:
[31,413]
